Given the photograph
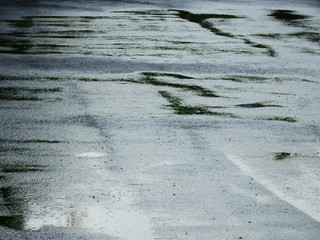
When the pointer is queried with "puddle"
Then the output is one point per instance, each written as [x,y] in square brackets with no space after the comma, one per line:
[92,154]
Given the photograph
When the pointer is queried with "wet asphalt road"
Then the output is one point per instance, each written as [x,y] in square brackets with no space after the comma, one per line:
[159,120]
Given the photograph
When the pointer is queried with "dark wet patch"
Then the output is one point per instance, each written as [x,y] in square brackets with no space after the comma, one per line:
[61,36]
[198,18]
[25,22]
[67,32]
[154,12]
[285,119]
[23,169]
[15,46]
[244,79]
[256,105]
[310,36]
[287,15]
[270,51]
[14,149]
[180,109]
[16,90]
[32,141]
[51,46]
[25,94]
[283,155]
[269,35]
[150,78]
[199,90]
[201,19]
[15,206]
[55,25]
[16,222]
[159,74]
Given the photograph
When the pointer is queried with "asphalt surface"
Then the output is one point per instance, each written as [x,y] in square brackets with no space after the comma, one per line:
[159,120]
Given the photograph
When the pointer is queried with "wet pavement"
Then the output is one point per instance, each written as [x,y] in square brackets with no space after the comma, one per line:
[159,120]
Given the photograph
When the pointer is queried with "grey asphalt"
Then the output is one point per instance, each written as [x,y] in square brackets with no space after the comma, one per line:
[150,120]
